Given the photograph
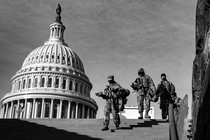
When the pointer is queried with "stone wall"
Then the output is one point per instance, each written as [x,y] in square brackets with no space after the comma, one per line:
[201,73]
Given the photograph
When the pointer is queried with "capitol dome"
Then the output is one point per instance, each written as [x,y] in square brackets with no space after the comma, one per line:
[51,83]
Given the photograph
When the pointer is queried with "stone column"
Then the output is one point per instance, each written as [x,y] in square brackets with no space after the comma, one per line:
[6,111]
[76,114]
[53,82]
[11,110]
[25,109]
[33,109]
[67,82]
[69,109]
[26,84]
[60,82]
[88,112]
[51,108]
[83,111]
[60,33]
[39,81]
[32,81]
[2,112]
[17,109]
[28,110]
[73,110]
[42,109]
[60,109]
[46,81]
[73,85]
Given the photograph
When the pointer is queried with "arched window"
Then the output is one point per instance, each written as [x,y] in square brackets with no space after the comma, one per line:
[73,62]
[64,60]
[19,84]
[85,90]
[81,88]
[64,84]
[76,86]
[70,85]
[68,61]
[52,60]
[29,83]
[56,82]
[49,82]
[35,82]
[42,82]
[58,34]
[24,82]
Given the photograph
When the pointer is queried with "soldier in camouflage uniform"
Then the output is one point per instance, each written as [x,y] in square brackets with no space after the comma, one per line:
[165,96]
[176,105]
[144,86]
[111,95]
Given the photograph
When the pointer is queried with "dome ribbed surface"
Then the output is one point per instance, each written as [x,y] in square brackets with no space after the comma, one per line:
[56,54]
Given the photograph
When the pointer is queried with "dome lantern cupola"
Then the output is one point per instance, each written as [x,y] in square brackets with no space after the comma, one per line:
[57,29]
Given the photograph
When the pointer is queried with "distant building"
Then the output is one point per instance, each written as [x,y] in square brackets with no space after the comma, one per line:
[51,83]
[131,112]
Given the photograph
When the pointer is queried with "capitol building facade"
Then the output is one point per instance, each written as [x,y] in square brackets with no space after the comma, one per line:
[51,83]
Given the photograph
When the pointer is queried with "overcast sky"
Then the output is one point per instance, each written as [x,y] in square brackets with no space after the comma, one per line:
[110,36]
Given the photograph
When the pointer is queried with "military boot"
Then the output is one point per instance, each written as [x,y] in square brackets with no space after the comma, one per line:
[117,127]
[105,128]
[141,116]
[146,115]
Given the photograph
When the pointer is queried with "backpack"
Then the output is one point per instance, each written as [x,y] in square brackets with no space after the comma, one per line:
[172,87]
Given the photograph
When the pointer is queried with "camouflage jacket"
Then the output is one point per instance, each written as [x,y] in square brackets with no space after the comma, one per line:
[169,86]
[145,83]
[111,91]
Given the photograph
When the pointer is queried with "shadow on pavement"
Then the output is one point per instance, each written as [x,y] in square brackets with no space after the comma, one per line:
[14,129]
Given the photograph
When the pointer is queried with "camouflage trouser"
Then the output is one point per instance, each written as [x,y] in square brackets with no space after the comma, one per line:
[164,104]
[143,95]
[113,108]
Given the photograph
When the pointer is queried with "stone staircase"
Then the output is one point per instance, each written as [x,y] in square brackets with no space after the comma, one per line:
[82,129]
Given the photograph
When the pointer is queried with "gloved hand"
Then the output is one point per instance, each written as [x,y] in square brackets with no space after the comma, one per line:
[98,93]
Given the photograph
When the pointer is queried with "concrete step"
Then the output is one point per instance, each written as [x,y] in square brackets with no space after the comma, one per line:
[82,129]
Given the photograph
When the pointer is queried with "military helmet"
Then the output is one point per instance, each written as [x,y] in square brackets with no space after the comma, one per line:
[110,77]
[141,70]
[163,75]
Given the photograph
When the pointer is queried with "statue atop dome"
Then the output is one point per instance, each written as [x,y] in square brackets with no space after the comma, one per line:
[58,12]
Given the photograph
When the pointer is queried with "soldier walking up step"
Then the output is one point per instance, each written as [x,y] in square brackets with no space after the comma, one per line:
[111,95]
[144,86]
[165,96]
